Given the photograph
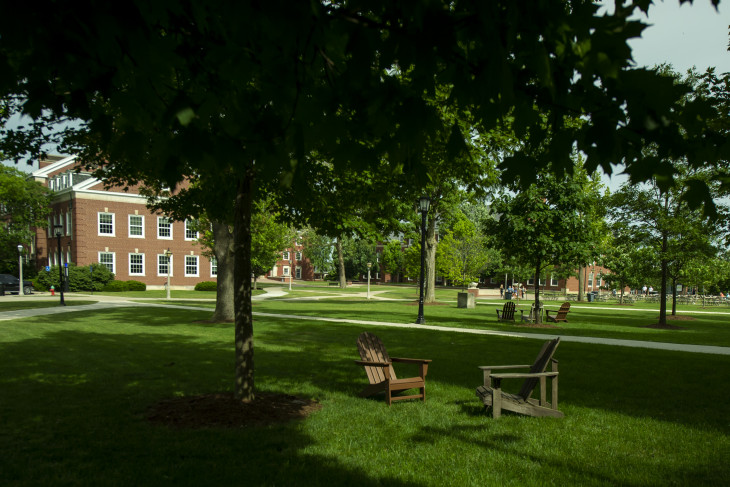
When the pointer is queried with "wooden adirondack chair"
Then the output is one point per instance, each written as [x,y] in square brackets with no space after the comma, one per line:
[534,313]
[492,395]
[561,314]
[379,368]
[508,312]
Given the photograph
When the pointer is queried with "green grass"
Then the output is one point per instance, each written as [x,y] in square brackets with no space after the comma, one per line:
[584,320]
[76,387]
[38,303]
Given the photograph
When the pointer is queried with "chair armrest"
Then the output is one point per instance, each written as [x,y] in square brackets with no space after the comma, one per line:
[410,360]
[372,364]
[502,367]
[526,375]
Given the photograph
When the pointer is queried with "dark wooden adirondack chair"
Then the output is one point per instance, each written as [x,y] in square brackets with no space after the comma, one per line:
[492,395]
[508,312]
[379,368]
[561,314]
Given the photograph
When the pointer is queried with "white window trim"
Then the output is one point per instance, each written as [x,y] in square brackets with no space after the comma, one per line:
[98,224]
[114,260]
[130,264]
[285,271]
[197,265]
[298,272]
[553,281]
[169,264]
[189,239]
[531,281]
[129,226]
[68,223]
[285,255]
[213,264]
[158,227]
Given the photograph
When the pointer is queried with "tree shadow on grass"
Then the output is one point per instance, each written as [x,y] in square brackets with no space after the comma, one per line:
[74,408]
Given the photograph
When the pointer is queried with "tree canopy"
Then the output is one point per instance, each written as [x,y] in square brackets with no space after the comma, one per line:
[251,97]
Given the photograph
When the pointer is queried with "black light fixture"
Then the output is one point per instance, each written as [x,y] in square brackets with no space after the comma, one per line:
[423,204]
[58,229]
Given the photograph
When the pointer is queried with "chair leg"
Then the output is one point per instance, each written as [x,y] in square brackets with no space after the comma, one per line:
[496,403]
[423,393]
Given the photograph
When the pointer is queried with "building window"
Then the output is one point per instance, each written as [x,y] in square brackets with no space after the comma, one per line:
[285,269]
[298,273]
[106,224]
[190,233]
[163,264]
[50,228]
[285,255]
[164,227]
[298,256]
[107,259]
[541,282]
[68,223]
[136,226]
[136,264]
[531,282]
[590,279]
[553,281]
[191,266]
[213,267]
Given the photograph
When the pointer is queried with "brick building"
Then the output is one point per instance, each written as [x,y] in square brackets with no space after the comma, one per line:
[114,227]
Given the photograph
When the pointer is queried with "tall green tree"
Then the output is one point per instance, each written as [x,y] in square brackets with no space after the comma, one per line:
[318,250]
[547,224]
[393,259]
[463,254]
[24,205]
[247,97]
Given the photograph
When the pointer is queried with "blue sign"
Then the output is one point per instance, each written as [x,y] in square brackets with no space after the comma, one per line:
[65,264]
[48,268]
[91,268]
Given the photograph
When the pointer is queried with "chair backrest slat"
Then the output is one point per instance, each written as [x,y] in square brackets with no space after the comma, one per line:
[543,358]
[371,349]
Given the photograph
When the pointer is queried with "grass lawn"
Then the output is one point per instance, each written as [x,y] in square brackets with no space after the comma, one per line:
[37,303]
[76,388]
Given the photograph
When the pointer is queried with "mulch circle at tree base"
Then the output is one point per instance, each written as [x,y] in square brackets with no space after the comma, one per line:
[223,410]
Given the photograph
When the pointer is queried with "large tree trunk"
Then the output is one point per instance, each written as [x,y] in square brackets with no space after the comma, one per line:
[224,309]
[430,274]
[341,263]
[244,388]
[581,283]
[663,295]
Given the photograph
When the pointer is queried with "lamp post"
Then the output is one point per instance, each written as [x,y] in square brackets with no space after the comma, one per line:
[21,287]
[168,254]
[370,264]
[423,204]
[291,270]
[60,266]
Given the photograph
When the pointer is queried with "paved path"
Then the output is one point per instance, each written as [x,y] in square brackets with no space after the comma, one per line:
[106,302]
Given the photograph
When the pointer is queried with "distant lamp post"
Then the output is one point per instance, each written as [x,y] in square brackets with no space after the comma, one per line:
[291,269]
[168,255]
[370,264]
[60,265]
[21,287]
[423,205]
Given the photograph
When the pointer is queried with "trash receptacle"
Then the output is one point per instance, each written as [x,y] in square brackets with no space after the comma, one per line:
[508,295]
[590,297]
[2,289]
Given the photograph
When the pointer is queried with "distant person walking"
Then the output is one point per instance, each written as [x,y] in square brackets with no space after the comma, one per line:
[501,290]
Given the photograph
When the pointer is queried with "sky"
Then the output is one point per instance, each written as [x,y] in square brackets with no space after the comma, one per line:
[684,36]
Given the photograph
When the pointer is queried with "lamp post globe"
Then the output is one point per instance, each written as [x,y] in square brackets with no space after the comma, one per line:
[423,204]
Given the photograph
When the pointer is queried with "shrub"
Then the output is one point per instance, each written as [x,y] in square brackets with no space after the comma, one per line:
[206,286]
[116,287]
[136,286]
[80,278]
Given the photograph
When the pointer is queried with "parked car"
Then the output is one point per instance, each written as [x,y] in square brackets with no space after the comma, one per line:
[10,284]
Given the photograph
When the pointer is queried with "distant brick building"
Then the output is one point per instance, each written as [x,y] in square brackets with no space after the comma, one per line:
[114,227]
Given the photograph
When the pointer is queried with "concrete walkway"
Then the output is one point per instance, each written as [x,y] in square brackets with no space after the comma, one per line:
[106,302]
